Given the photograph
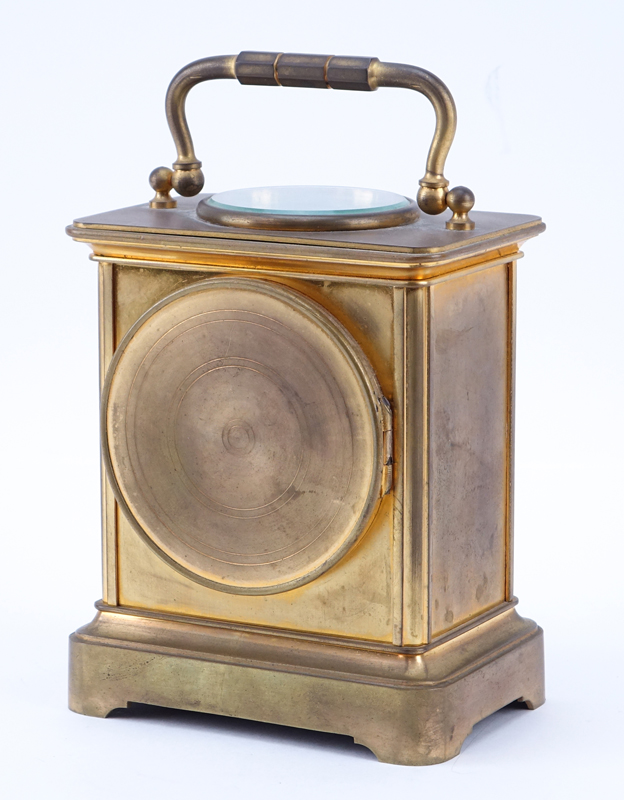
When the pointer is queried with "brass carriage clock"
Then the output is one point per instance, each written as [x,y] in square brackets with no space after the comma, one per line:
[307,436]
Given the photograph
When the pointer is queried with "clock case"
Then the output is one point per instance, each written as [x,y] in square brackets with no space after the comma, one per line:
[410,635]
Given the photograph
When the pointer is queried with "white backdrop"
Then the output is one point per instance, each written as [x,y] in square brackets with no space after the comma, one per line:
[538,89]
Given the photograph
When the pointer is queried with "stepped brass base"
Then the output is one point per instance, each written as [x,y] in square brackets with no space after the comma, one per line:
[407,707]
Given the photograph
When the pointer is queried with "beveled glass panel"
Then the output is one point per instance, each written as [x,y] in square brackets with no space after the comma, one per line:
[316,200]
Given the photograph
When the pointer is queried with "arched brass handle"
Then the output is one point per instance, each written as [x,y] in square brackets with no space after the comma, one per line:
[324,72]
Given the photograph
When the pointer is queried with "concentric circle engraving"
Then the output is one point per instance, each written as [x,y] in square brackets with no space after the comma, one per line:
[242,435]
[238,437]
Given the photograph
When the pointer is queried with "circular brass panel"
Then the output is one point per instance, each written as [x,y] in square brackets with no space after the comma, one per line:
[242,434]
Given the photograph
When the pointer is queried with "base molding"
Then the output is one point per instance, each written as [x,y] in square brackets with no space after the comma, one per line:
[411,709]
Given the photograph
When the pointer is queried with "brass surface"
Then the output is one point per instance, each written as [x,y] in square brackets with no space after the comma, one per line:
[378,383]
[416,560]
[407,709]
[460,200]
[160,181]
[353,599]
[468,373]
[107,303]
[330,604]
[416,252]
[244,429]
[324,72]
[385,323]
[296,269]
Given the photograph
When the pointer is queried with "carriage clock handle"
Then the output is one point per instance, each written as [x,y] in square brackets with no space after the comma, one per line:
[322,72]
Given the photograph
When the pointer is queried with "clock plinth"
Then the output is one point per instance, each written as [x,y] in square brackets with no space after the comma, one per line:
[414,709]
[307,440]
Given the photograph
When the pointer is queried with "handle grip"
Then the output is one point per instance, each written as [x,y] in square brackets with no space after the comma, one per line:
[351,73]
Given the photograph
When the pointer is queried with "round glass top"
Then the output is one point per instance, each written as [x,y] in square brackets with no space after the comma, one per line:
[324,201]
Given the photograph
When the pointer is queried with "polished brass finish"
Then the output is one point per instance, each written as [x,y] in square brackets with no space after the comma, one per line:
[307,222]
[307,494]
[429,574]
[419,251]
[272,421]
[316,71]
[107,303]
[460,200]
[469,440]
[160,181]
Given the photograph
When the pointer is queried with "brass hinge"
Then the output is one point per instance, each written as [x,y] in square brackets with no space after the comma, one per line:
[387,447]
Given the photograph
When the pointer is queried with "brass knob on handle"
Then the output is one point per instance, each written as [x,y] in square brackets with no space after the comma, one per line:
[187,180]
[160,181]
[460,200]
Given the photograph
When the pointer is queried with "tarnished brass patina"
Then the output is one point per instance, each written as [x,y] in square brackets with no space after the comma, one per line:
[308,454]
[243,435]
[320,72]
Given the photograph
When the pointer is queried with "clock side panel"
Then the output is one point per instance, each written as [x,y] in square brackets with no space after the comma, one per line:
[360,596]
[469,399]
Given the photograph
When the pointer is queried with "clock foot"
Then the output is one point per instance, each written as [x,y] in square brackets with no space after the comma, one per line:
[95,706]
